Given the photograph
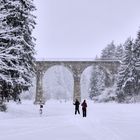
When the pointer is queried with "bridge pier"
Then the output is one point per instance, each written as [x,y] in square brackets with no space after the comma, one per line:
[77,89]
[39,88]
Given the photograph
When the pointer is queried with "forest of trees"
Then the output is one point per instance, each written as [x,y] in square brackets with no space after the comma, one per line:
[126,87]
[112,52]
[17,51]
[18,62]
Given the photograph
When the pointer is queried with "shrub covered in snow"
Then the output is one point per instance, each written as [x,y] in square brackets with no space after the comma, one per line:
[108,95]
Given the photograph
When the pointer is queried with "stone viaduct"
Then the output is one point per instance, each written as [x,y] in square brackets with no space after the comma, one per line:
[76,67]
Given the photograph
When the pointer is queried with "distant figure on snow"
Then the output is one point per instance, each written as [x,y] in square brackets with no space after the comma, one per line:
[84,108]
[41,109]
[77,103]
[19,101]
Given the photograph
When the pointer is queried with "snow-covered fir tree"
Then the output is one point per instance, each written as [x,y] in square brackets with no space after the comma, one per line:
[136,51]
[119,52]
[108,53]
[126,84]
[112,51]
[137,45]
[97,83]
[16,45]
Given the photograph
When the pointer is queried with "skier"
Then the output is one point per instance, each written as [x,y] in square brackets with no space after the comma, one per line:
[77,103]
[84,108]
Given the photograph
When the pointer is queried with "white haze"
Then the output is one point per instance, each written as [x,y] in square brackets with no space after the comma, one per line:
[82,28]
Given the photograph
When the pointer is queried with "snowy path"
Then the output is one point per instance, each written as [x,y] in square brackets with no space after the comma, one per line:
[104,122]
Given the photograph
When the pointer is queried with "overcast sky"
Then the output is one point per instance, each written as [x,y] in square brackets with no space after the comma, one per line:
[82,28]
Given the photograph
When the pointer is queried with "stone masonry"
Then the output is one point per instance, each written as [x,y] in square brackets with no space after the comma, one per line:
[76,68]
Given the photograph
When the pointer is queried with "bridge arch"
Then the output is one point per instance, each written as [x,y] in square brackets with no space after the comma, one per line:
[76,67]
[86,80]
[56,74]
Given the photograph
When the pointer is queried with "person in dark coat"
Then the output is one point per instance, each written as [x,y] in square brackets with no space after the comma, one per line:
[84,108]
[77,103]
[41,109]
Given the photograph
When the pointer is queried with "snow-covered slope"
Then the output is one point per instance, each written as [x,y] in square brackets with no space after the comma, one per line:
[58,122]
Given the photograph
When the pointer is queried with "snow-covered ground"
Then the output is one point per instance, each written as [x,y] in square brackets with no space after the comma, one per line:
[103,122]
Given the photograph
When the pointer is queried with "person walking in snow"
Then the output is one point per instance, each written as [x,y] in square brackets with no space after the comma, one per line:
[77,103]
[84,108]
